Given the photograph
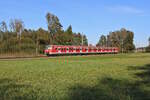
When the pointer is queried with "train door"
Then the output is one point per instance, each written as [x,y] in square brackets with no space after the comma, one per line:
[74,50]
[78,50]
[90,50]
[67,50]
[70,50]
[62,50]
[55,50]
[81,50]
[59,50]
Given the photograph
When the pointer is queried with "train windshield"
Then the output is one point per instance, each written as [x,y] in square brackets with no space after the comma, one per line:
[48,47]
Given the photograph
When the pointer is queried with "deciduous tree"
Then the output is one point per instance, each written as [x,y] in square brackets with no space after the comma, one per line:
[17,26]
[102,41]
[123,39]
[54,25]
[3,26]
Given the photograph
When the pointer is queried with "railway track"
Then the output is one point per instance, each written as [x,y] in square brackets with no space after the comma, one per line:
[21,57]
[44,56]
[33,57]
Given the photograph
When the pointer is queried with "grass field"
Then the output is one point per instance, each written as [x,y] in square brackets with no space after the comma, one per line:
[104,77]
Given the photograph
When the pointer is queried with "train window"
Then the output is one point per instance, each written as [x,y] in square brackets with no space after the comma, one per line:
[67,49]
[56,49]
[48,47]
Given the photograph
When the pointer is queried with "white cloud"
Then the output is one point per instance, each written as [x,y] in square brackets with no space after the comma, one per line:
[125,10]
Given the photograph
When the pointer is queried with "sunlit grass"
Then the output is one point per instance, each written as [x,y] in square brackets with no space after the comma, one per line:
[103,77]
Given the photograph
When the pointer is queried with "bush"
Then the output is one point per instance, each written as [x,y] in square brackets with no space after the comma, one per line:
[148,49]
[26,45]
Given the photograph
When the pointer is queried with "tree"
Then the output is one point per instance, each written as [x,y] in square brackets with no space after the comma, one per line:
[123,39]
[68,35]
[28,41]
[3,29]
[17,26]
[102,41]
[12,26]
[54,25]
[85,40]
[77,39]
[148,47]
[1,36]
[149,41]
[69,30]
[128,41]
[63,38]
[3,26]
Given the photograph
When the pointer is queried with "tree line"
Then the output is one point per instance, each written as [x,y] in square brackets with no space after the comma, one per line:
[15,38]
[123,39]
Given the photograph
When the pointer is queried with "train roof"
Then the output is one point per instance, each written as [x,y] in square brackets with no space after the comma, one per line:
[79,46]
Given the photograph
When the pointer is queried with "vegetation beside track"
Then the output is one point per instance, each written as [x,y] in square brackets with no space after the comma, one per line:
[104,77]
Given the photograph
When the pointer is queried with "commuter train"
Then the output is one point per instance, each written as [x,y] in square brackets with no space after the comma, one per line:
[63,50]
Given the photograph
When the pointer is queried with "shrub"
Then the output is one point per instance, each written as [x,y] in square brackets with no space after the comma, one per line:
[148,49]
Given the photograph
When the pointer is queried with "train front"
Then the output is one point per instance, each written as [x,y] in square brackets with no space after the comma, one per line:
[48,50]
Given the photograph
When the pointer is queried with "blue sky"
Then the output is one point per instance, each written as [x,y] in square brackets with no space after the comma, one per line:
[92,17]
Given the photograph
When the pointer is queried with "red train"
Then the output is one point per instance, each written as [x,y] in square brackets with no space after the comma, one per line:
[58,50]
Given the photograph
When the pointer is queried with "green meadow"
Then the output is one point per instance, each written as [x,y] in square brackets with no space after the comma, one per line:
[97,77]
